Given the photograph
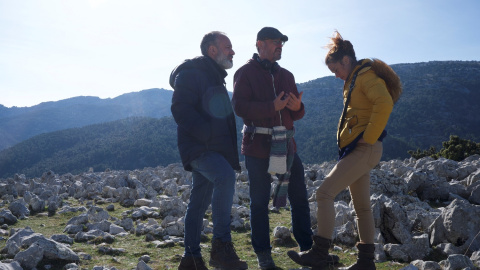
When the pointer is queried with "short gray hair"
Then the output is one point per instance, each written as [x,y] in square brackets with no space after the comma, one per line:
[210,39]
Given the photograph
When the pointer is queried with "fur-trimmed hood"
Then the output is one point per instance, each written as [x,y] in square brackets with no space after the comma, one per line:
[385,72]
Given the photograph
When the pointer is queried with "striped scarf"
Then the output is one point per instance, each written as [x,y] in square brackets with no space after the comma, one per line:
[281,159]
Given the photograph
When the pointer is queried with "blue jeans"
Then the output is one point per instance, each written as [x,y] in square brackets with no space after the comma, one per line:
[213,182]
[260,196]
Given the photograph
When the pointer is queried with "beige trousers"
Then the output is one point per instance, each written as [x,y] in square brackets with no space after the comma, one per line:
[352,171]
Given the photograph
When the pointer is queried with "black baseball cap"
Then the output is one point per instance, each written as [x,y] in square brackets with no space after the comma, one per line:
[271,33]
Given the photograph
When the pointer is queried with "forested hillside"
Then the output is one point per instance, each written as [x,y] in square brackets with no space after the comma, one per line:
[439,99]
[120,145]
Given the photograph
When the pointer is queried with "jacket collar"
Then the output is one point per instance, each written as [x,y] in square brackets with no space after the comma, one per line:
[360,68]
[204,63]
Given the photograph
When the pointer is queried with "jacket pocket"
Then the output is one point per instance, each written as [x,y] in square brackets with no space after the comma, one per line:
[352,122]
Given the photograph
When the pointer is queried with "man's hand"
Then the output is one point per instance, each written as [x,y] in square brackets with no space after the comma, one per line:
[294,103]
[281,101]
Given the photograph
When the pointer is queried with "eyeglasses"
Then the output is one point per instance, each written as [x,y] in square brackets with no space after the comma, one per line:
[276,41]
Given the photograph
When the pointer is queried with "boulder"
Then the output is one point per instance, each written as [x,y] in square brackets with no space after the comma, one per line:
[141,265]
[62,238]
[426,265]
[52,250]
[96,235]
[458,224]
[97,214]
[392,219]
[457,261]
[282,232]
[19,209]
[6,217]
[15,265]
[29,258]
[115,229]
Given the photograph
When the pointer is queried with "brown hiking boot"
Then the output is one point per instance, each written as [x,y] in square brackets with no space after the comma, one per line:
[366,258]
[192,263]
[317,256]
[224,256]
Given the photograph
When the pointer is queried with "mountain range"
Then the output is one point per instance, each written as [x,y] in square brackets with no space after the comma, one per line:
[18,124]
[439,99]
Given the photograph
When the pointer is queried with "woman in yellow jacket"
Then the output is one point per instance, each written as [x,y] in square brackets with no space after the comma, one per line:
[370,90]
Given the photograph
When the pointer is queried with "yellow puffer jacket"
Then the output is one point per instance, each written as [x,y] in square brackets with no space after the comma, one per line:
[370,104]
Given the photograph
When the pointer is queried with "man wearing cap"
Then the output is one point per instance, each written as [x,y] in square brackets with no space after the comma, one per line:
[265,96]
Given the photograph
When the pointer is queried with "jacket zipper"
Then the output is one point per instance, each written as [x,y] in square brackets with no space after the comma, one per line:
[275,94]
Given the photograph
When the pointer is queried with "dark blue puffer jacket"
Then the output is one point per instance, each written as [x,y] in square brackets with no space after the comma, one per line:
[203,112]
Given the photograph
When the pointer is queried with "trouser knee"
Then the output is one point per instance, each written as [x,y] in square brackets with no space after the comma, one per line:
[322,196]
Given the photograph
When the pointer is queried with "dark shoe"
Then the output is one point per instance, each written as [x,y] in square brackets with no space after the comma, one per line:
[265,260]
[317,256]
[224,256]
[192,263]
[366,258]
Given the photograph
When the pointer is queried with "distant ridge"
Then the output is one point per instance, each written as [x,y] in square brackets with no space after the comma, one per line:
[18,124]
[440,99]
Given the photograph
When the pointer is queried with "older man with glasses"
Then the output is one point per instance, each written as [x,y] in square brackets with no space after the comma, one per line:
[265,96]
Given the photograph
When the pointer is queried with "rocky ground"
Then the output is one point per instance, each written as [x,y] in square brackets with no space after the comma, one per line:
[420,207]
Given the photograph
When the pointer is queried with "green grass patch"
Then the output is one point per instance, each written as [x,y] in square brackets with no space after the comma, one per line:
[169,258]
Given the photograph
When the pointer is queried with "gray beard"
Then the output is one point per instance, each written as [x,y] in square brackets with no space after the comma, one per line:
[224,62]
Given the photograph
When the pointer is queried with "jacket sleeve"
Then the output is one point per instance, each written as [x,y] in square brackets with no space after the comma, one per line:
[243,101]
[298,114]
[186,103]
[382,105]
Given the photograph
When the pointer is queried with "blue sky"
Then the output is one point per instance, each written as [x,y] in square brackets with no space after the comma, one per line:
[57,49]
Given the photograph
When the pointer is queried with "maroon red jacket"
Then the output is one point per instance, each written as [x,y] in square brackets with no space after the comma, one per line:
[254,90]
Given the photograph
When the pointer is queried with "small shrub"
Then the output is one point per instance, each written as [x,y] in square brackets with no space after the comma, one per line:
[456,149]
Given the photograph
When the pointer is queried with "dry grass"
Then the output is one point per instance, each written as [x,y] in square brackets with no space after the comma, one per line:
[168,258]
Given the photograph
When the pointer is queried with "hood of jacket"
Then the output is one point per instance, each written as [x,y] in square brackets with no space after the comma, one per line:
[384,71]
[203,63]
